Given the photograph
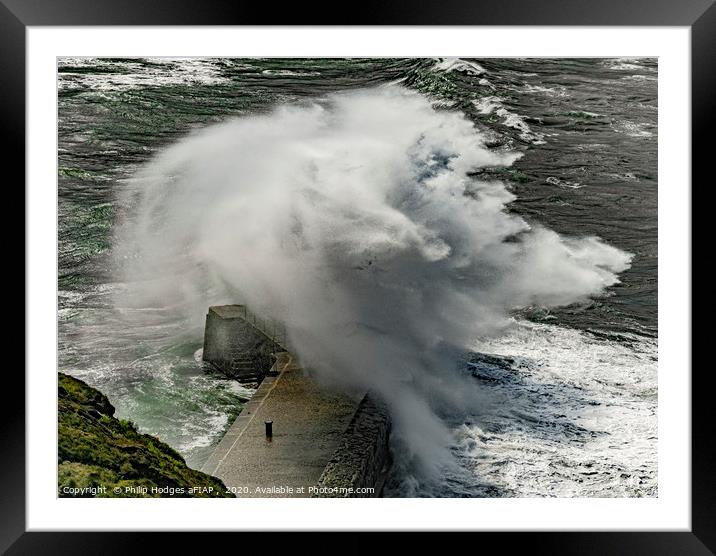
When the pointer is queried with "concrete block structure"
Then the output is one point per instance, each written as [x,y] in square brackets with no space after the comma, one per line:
[238,344]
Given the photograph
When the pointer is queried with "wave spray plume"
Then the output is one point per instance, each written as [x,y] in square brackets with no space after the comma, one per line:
[354,220]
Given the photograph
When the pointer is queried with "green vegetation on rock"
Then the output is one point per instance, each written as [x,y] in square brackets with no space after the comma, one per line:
[98,451]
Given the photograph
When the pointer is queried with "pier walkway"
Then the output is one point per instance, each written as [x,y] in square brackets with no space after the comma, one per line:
[308,424]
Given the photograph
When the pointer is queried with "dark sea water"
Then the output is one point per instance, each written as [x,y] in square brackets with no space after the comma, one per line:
[579,383]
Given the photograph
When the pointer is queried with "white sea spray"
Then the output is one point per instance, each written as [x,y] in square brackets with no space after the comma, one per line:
[353,220]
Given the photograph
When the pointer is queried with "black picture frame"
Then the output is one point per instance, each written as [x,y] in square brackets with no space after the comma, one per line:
[699,15]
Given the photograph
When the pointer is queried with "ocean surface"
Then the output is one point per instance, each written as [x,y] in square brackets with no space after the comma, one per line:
[577,386]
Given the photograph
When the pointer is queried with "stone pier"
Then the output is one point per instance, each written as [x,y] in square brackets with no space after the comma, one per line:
[236,346]
[324,443]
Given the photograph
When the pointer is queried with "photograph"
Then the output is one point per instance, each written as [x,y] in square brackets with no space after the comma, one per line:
[357,277]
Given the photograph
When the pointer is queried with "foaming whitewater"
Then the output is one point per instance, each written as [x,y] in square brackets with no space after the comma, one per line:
[457,64]
[568,413]
[355,221]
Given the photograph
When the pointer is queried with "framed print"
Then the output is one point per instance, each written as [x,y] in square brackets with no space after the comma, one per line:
[429,270]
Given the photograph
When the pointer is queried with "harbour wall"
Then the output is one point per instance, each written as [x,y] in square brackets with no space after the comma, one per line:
[325,443]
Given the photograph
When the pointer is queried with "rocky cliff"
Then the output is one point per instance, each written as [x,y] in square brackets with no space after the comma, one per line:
[100,455]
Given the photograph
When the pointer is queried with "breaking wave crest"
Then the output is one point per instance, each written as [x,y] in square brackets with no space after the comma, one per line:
[355,220]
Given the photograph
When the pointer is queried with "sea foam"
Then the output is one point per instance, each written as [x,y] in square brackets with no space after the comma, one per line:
[355,221]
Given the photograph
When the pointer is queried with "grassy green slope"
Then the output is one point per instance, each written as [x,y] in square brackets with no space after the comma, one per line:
[97,450]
